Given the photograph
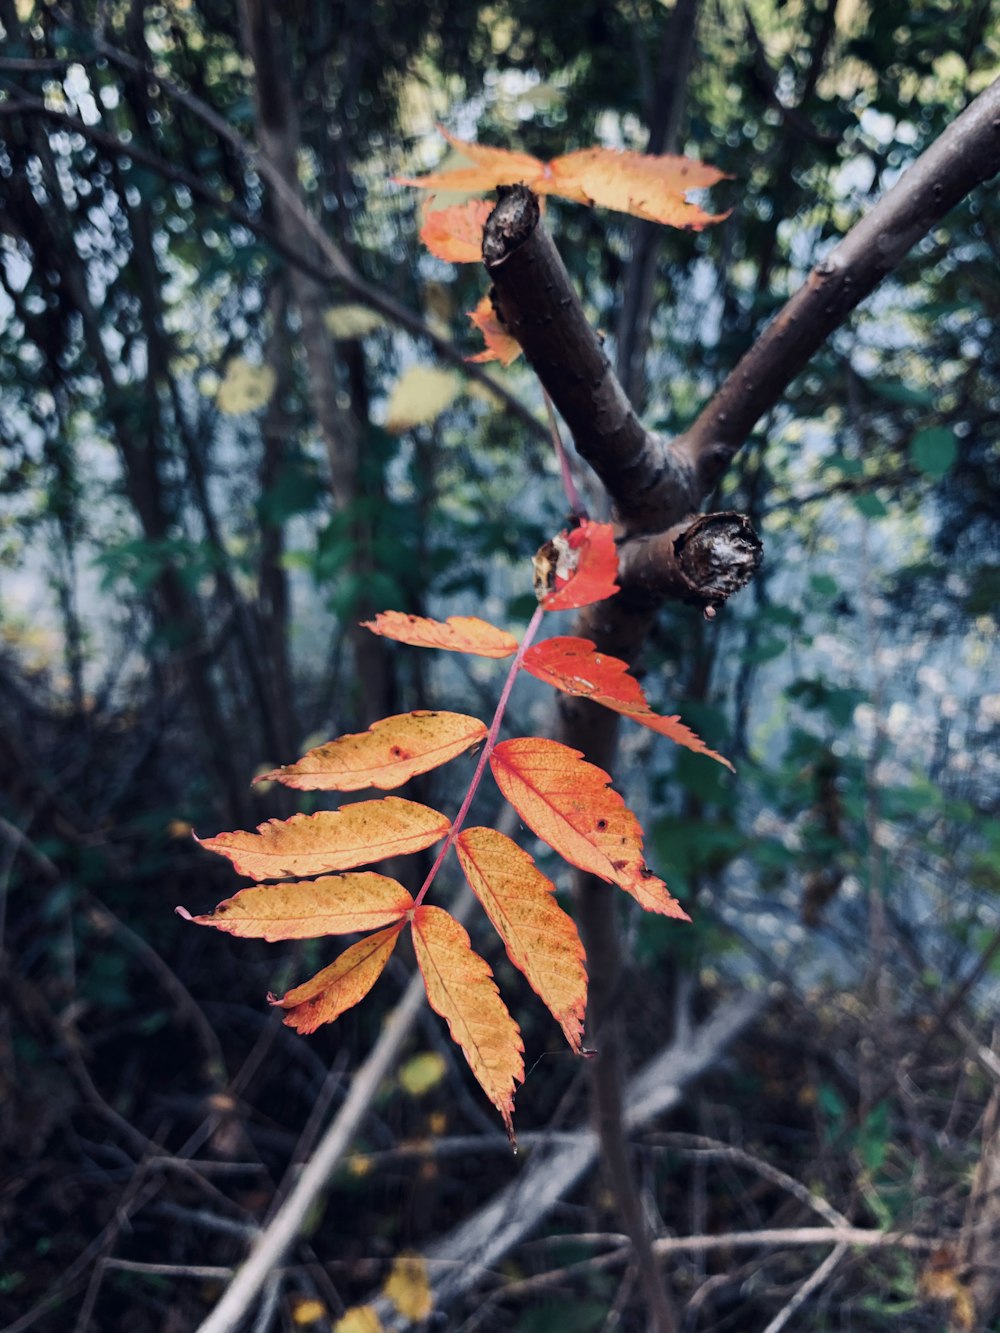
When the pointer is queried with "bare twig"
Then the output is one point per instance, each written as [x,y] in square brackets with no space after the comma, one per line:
[459,1260]
[286,1224]
[862,1238]
[696,1145]
[811,1284]
[202,1272]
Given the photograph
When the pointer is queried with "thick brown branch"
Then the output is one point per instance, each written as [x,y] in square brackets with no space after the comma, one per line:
[536,300]
[966,155]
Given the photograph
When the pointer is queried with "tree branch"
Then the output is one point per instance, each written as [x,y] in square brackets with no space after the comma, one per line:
[284,1228]
[535,299]
[965,155]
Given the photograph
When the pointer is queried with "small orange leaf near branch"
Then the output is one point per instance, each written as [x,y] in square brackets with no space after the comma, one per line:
[500,346]
[568,803]
[354,835]
[646,186]
[388,754]
[304,910]
[456,233]
[460,987]
[576,667]
[458,634]
[577,567]
[340,986]
[541,940]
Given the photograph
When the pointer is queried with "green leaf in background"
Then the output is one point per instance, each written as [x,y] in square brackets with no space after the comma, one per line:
[870,505]
[984,593]
[934,451]
[823,585]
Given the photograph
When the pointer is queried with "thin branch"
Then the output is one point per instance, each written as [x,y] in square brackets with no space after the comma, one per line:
[706,1149]
[203,1272]
[811,1284]
[479,1243]
[964,156]
[862,1238]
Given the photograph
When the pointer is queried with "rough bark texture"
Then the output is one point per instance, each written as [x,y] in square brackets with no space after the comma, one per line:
[702,560]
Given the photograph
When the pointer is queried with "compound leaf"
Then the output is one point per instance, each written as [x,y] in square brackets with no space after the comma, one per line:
[302,910]
[577,567]
[459,634]
[500,346]
[456,233]
[643,185]
[340,986]
[576,667]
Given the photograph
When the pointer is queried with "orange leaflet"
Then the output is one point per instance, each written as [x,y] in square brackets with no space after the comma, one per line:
[388,754]
[460,987]
[568,804]
[459,634]
[574,665]
[354,835]
[642,185]
[493,167]
[542,941]
[645,186]
[577,567]
[334,905]
[500,346]
[456,233]
[341,985]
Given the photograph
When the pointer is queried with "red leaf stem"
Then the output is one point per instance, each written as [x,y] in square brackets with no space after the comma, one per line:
[491,740]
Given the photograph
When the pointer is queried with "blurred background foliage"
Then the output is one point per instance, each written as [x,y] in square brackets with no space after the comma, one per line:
[213,467]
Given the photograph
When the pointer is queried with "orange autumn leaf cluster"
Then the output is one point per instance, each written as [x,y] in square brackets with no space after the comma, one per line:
[644,185]
[566,801]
